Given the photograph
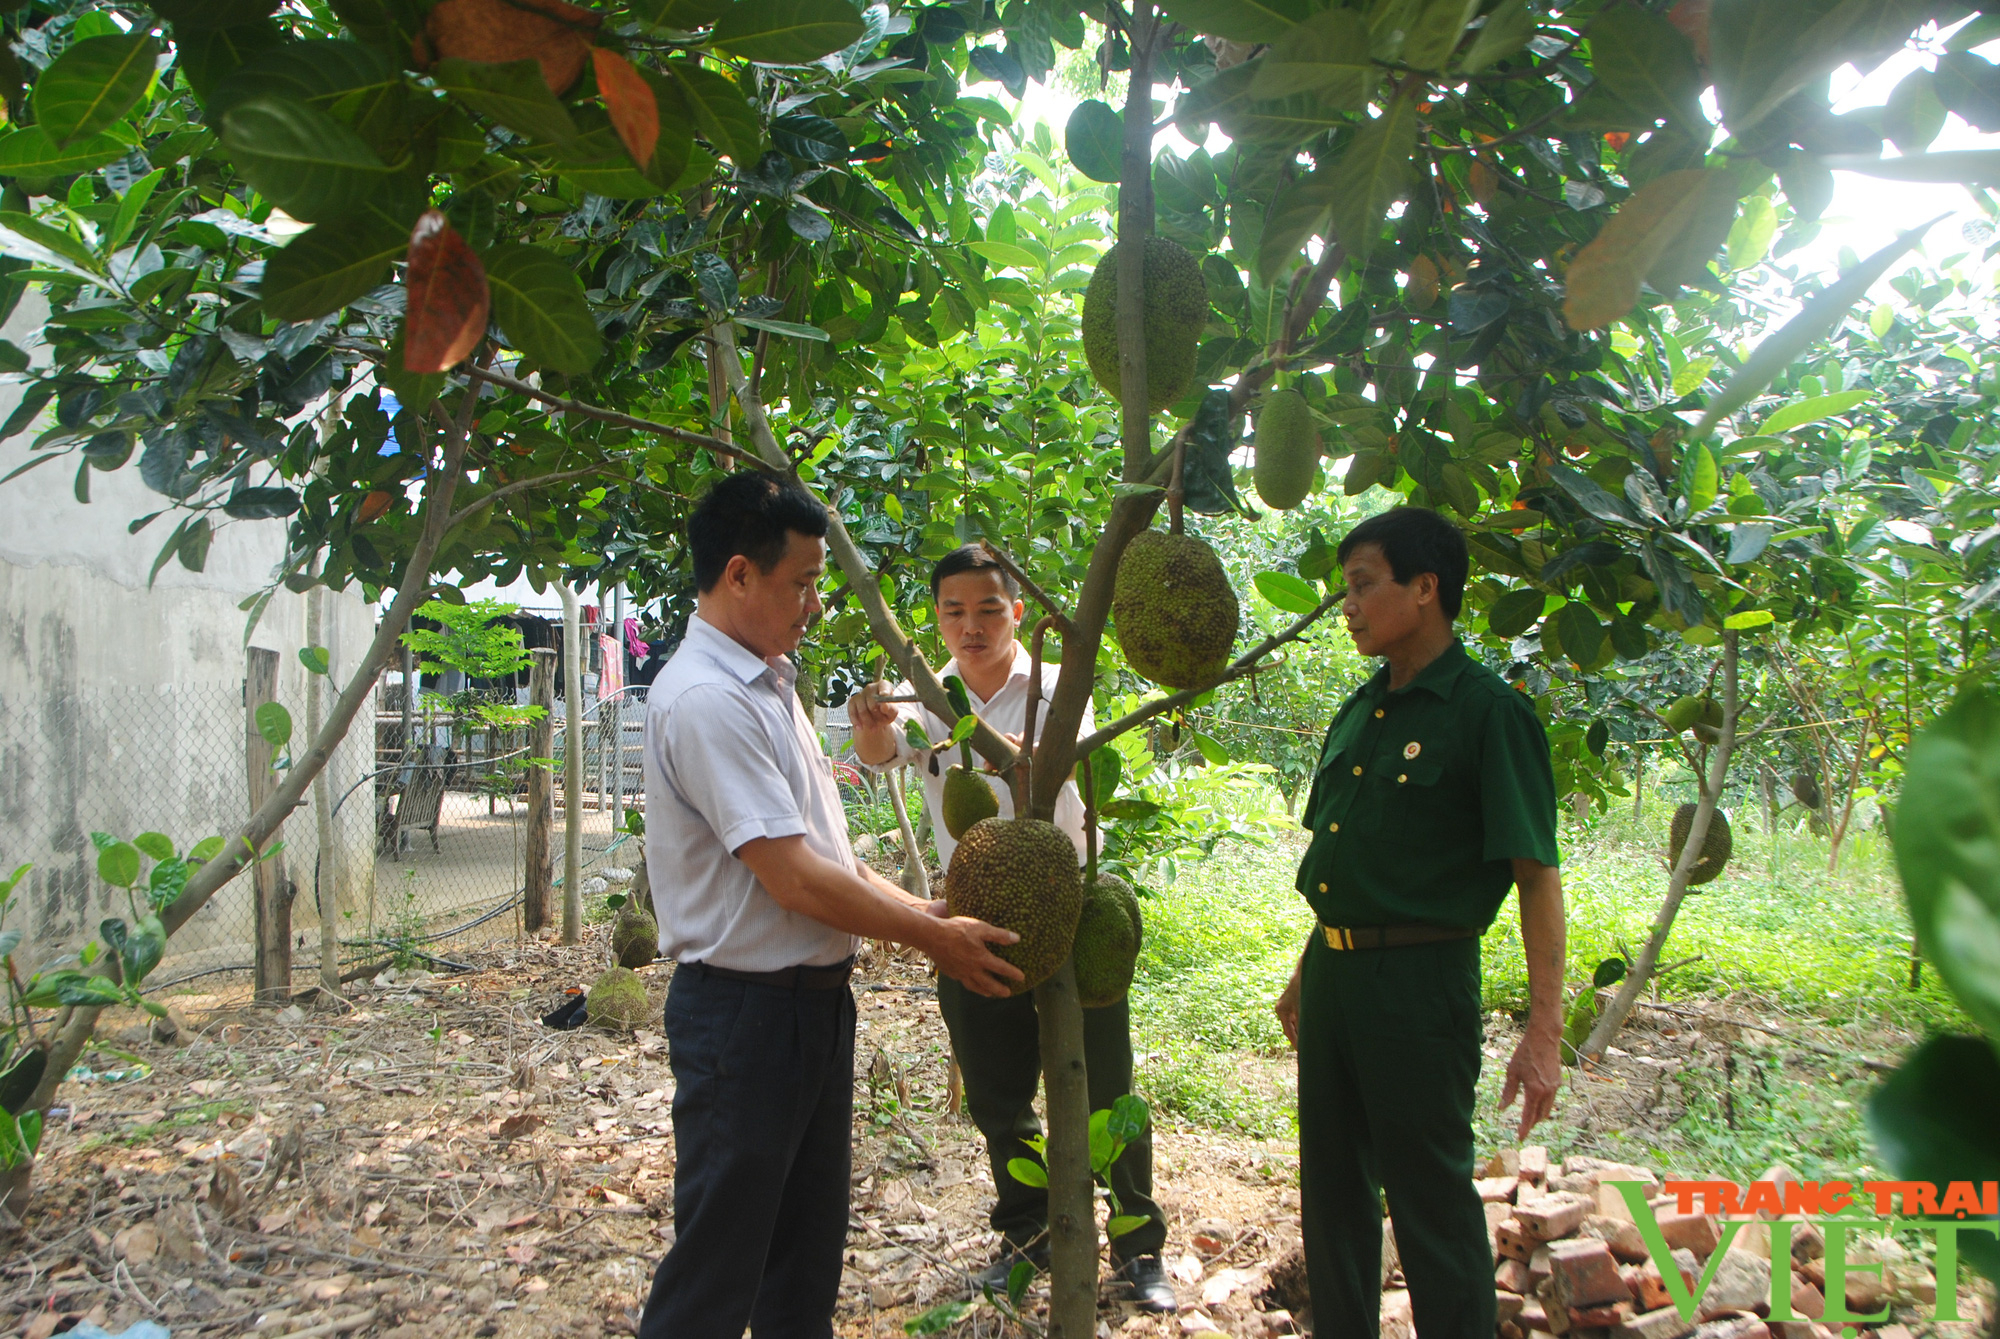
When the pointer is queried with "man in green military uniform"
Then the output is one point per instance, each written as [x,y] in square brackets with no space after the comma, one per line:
[1434,795]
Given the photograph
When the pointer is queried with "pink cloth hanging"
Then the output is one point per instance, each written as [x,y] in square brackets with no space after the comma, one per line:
[633,642]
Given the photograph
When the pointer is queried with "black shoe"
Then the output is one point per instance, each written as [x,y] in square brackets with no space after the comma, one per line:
[995,1275]
[1146,1284]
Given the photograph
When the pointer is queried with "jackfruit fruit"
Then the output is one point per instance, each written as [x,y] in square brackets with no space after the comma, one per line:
[1175,610]
[967,800]
[1176,311]
[635,936]
[616,1000]
[1708,726]
[1020,874]
[1715,848]
[1684,711]
[1287,450]
[1107,942]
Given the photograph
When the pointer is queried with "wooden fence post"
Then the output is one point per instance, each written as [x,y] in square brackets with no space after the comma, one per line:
[273,891]
[541,792]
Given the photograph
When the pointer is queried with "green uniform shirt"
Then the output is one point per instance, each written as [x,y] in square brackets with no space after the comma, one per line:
[1423,797]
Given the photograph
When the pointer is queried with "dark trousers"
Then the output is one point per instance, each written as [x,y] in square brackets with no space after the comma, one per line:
[763,1112]
[1388,1055]
[998,1046]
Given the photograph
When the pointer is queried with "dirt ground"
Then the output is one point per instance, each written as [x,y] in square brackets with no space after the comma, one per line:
[427,1158]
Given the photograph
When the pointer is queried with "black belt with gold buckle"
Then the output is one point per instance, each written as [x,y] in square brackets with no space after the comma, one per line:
[1392,936]
[786,978]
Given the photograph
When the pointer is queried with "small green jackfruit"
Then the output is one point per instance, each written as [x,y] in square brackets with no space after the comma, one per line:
[1176,311]
[967,800]
[1708,726]
[1020,874]
[1175,610]
[635,936]
[1107,942]
[1287,450]
[616,1001]
[1684,712]
[1715,848]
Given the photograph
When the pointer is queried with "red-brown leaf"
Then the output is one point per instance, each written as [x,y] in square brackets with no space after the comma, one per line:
[635,112]
[500,31]
[448,298]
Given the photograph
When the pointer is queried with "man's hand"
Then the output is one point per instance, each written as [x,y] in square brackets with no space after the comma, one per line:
[1288,1005]
[1535,1073]
[869,709]
[960,950]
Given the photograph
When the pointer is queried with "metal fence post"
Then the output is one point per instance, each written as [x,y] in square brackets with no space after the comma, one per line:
[273,970]
[327,864]
[575,759]
[541,797]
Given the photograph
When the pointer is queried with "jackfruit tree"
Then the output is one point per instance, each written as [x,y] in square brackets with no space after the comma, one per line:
[460,289]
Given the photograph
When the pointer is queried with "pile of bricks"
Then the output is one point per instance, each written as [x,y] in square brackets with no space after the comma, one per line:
[1570,1261]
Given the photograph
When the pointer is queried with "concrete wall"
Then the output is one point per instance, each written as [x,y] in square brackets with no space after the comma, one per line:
[121,706]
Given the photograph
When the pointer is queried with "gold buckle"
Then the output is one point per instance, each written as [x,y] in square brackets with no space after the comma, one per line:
[1338,937]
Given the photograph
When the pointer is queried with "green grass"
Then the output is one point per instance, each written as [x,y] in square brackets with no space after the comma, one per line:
[1818,948]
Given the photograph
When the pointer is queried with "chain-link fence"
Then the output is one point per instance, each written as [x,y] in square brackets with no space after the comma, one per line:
[428,814]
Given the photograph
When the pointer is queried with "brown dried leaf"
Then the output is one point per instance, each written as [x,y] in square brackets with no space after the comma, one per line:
[448,297]
[1669,226]
[499,31]
[635,112]
[515,1126]
[1423,286]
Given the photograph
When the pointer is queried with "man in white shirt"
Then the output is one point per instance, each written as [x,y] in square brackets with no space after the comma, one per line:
[760,900]
[997,1041]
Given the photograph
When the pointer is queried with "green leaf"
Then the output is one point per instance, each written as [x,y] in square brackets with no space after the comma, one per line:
[1647,63]
[326,267]
[1581,634]
[1980,167]
[1240,20]
[1703,476]
[1515,612]
[1947,838]
[29,152]
[1006,253]
[937,1319]
[914,735]
[1210,749]
[1120,1224]
[1792,339]
[1299,211]
[45,242]
[93,84]
[1371,174]
[1750,618]
[208,55]
[318,660]
[302,160]
[1598,737]
[1692,374]
[1764,53]
[719,111]
[1933,1121]
[1095,140]
[1327,55]
[1506,31]
[787,32]
[1750,236]
[119,866]
[789,329]
[155,844]
[538,302]
[1106,767]
[205,850]
[1028,1172]
[274,723]
[962,729]
[514,94]
[678,15]
[1433,32]
[1812,410]
[1287,592]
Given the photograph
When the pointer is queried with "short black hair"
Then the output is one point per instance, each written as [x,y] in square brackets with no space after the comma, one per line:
[972,558]
[1416,540]
[749,513]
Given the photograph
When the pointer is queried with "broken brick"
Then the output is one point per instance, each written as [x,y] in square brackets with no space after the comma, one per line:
[1662,1324]
[1496,1189]
[1600,1317]
[1620,1234]
[1512,1276]
[1508,1305]
[1585,1274]
[1739,1326]
[1534,1163]
[1539,1269]
[1807,1299]
[1652,1289]
[1690,1231]
[1553,1216]
[1511,1242]
[1741,1282]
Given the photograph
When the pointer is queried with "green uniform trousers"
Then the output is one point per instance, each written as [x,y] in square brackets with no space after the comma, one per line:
[1389,1049]
[999,1050]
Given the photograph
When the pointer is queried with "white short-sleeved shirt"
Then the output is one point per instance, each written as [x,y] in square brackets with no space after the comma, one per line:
[730,757]
[1007,713]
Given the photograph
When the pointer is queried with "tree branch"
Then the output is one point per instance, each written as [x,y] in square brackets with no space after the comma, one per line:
[1027,583]
[238,854]
[612,416]
[867,588]
[1243,666]
[522,486]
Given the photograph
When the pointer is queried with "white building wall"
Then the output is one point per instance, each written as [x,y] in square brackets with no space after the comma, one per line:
[121,705]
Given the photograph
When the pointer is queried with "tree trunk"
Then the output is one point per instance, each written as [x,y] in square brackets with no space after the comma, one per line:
[916,879]
[541,793]
[574,761]
[1072,1220]
[1638,782]
[272,971]
[327,881]
[1627,998]
[1847,805]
